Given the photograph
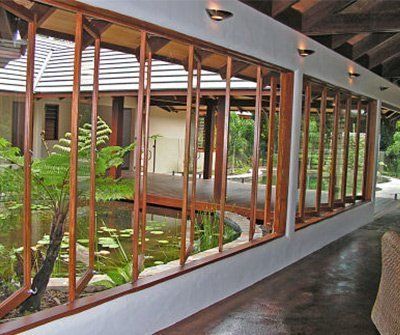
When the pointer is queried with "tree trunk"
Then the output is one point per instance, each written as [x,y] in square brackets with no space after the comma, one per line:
[41,279]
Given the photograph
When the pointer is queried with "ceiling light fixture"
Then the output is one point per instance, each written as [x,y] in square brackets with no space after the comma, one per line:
[305,52]
[218,14]
[354,74]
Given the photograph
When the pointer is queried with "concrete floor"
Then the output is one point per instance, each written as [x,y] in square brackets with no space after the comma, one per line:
[329,292]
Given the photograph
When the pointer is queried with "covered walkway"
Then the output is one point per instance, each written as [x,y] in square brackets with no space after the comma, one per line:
[330,292]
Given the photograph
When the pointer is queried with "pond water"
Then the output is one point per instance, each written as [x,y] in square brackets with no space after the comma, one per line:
[114,236]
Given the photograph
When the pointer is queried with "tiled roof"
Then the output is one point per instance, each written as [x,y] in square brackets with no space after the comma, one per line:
[118,72]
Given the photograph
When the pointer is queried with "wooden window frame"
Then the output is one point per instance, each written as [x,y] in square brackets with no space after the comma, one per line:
[344,200]
[278,216]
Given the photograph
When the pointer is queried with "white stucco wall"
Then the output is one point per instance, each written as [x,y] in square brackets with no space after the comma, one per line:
[6,113]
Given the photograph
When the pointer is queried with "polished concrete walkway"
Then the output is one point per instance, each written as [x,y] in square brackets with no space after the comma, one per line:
[329,292]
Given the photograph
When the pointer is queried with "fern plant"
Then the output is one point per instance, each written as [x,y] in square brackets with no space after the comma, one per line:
[50,186]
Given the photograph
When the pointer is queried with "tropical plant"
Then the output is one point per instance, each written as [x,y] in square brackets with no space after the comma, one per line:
[50,186]
[9,280]
[240,149]
[393,153]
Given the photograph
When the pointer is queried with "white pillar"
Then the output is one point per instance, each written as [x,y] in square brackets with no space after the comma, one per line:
[294,153]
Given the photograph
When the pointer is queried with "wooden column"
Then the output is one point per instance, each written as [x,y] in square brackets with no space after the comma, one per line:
[117,120]
[88,275]
[224,153]
[195,154]
[221,129]
[138,158]
[93,155]
[256,153]
[356,152]
[284,137]
[345,152]
[321,150]
[73,193]
[184,253]
[270,153]
[304,161]
[146,134]
[335,133]
[370,148]
[28,130]
[209,139]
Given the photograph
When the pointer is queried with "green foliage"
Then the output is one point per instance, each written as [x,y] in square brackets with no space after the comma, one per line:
[241,136]
[9,281]
[8,260]
[393,152]
[50,175]
[51,178]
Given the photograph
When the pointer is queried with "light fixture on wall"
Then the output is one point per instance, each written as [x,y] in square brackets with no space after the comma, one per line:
[218,14]
[305,52]
[383,88]
[354,74]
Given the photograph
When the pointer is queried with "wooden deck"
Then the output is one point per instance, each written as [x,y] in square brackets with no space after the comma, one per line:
[166,190]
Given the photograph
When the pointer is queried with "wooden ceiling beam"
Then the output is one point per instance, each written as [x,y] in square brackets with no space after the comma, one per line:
[8,28]
[340,39]
[369,42]
[357,23]
[90,29]
[264,7]
[201,54]
[94,28]
[333,41]
[42,12]
[291,17]
[156,43]
[237,67]
[322,10]
[384,51]
[391,68]
[279,6]
[17,9]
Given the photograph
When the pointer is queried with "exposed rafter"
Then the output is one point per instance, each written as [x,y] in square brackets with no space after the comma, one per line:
[318,13]
[92,29]
[368,43]
[384,51]
[357,23]
[237,67]
[17,9]
[362,30]
[156,43]
[43,12]
[279,6]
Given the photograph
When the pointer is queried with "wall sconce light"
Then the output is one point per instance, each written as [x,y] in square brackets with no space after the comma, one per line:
[305,52]
[354,74]
[383,88]
[218,14]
